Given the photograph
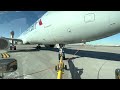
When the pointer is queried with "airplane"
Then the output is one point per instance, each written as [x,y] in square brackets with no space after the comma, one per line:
[68,27]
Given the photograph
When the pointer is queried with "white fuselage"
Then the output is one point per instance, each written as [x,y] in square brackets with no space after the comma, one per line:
[67,27]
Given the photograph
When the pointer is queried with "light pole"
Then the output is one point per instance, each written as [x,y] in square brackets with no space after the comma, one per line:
[12,36]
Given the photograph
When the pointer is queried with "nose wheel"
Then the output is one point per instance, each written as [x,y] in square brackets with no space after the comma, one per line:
[63,56]
[61,52]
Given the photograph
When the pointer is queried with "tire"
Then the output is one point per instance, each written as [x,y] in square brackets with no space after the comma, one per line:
[55,68]
[52,46]
[49,46]
[117,73]
[14,47]
[10,47]
[63,56]
[65,67]
[38,47]
[58,56]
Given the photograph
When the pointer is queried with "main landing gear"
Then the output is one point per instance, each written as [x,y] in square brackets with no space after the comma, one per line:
[12,47]
[38,47]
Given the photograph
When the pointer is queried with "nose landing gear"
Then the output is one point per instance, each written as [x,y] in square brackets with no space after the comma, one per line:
[61,52]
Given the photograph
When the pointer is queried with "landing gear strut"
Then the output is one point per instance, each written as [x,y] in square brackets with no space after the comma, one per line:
[38,47]
[61,52]
[12,47]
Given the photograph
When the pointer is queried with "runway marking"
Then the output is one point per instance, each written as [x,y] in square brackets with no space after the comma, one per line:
[100,69]
[5,55]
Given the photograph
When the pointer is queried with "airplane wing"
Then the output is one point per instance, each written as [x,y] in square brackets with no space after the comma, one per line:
[19,40]
[5,42]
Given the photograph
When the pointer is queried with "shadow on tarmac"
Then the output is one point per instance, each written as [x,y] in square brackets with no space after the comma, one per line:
[81,53]
[89,54]
[75,72]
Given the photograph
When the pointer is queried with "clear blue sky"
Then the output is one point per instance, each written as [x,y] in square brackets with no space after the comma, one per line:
[14,25]
[17,21]
[112,40]
[22,20]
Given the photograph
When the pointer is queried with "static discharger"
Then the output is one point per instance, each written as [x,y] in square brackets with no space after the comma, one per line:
[60,68]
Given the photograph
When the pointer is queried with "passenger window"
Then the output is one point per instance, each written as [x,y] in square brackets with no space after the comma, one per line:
[89,17]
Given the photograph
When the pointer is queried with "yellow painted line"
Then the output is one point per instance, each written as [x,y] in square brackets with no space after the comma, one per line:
[4,56]
[7,55]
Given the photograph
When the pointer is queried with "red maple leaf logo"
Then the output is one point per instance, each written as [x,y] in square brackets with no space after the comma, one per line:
[40,22]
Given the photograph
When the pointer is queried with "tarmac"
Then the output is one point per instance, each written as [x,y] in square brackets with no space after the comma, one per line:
[83,62]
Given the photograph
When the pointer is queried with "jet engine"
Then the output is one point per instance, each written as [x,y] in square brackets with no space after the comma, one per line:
[4,44]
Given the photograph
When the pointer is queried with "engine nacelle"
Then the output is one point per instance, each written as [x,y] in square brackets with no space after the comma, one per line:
[4,44]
